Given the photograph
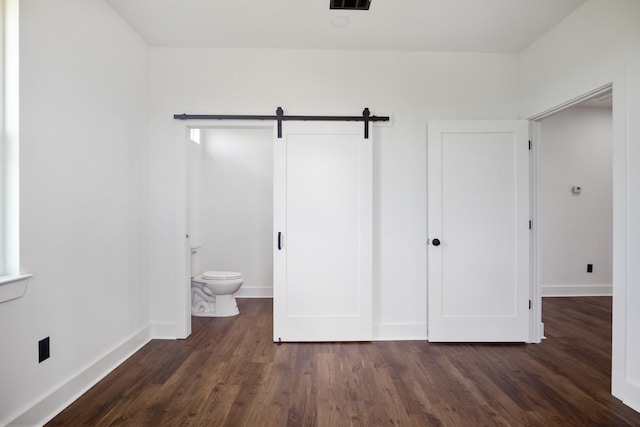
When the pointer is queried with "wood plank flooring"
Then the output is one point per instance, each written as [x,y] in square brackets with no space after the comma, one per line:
[229,373]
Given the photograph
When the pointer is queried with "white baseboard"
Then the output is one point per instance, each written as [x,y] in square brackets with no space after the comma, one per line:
[576,290]
[53,403]
[399,331]
[254,293]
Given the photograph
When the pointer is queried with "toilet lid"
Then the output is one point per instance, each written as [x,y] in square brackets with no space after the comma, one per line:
[221,275]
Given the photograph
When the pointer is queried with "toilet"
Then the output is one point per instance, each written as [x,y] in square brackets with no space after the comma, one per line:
[212,292]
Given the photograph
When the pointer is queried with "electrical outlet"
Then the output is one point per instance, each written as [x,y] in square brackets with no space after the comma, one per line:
[589,268]
[43,350]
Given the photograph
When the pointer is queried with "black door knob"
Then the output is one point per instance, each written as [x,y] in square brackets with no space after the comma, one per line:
[436,242]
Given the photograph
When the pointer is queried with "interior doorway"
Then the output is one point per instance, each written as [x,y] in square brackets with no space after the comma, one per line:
[572,200]
[576,200]
[230,204]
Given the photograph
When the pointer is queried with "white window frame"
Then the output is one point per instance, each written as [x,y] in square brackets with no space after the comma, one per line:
[195,135]
[12,280]
[3,249]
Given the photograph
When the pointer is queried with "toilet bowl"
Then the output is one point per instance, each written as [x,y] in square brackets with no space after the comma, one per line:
[212,294]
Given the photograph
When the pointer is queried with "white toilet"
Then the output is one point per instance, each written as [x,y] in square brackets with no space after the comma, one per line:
[212,292]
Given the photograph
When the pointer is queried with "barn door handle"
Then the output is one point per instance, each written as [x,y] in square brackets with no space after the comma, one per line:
[436,242]
[279,241]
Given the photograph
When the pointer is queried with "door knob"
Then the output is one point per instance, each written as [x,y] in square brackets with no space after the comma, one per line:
[435,242]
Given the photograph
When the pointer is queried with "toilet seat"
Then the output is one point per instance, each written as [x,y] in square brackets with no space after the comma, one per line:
[221,275]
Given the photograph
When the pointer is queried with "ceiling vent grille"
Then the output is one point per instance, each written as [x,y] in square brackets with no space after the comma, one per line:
[349,4]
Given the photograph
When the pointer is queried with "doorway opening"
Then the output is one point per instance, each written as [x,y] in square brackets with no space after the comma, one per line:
[572,201]
[230,204]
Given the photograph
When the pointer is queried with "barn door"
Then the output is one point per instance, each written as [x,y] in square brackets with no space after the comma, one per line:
[478,222]
[322,233]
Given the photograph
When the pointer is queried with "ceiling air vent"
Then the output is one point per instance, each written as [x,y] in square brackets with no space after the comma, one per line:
[349,4]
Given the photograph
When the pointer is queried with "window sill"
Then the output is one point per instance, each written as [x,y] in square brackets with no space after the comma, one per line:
[12,287]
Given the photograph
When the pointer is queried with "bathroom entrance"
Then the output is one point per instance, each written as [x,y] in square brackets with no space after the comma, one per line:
[320,273]
[230,204]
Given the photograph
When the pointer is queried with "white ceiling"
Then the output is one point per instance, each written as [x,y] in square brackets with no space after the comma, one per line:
[430,25]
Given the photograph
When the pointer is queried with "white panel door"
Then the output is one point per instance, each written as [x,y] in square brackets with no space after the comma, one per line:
[478,222]
[322,233]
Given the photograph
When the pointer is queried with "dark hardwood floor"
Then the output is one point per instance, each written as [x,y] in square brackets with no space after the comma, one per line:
[229,373]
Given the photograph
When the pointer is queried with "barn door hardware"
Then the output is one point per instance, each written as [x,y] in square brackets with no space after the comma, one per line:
[280,117]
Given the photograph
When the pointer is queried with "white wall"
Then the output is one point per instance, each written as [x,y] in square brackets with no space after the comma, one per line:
[411,86]
[236,216]
[580,54]
[596,45]
[576,229]
[83,103]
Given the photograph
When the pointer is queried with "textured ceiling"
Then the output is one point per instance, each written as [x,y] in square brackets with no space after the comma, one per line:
[430,25]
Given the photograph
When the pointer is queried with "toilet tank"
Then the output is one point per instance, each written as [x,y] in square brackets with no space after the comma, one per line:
[195,260]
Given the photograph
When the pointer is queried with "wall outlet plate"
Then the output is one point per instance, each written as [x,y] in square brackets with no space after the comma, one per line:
[43,349]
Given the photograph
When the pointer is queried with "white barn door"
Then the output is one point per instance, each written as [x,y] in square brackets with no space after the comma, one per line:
[478,222]
[322,233]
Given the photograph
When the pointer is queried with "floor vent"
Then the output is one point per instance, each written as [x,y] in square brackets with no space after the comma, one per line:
[349,4]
